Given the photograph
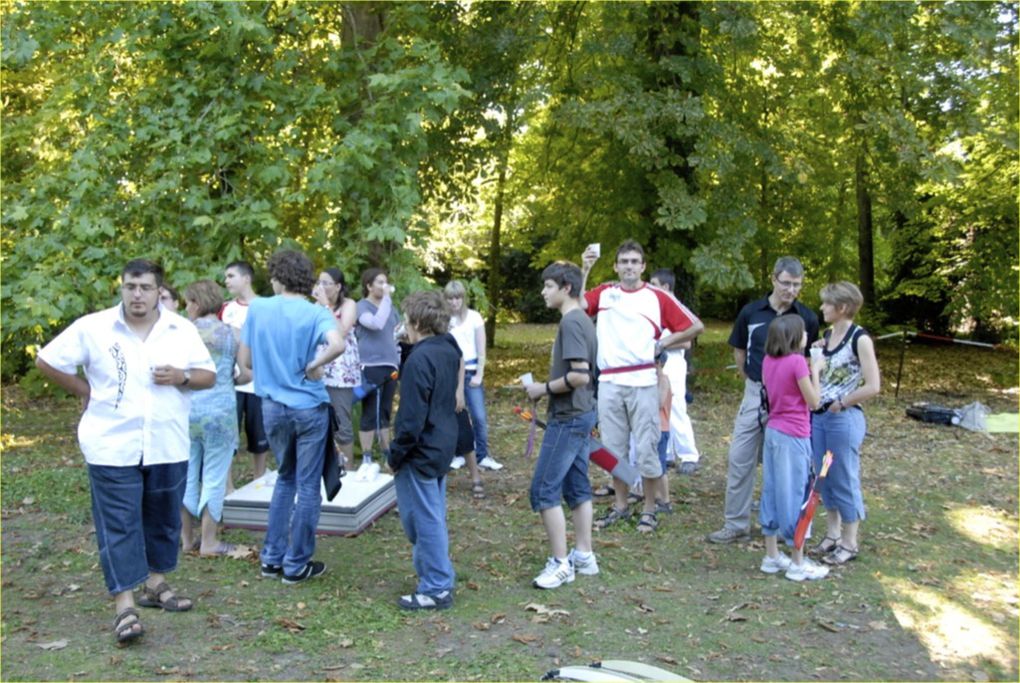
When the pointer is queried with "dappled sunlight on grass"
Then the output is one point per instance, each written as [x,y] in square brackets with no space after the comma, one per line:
[953,634]
[984,525]
[993,593]
[8,440]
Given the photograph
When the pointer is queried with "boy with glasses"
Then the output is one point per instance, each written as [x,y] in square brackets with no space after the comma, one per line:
[141,363]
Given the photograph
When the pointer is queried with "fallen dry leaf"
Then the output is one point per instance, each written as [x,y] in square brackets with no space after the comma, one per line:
[667,659]
[55,645]
[525,638]
[497,618]
[543,610]
[241,552]
[290,624]
[481,626]
[878,626]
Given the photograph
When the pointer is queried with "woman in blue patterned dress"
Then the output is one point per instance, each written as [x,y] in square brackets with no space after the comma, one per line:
[213,424]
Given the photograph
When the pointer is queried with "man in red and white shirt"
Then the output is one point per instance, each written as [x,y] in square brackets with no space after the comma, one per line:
[631,318]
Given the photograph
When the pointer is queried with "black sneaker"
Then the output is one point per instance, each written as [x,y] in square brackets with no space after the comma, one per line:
[272,571]
[311,570]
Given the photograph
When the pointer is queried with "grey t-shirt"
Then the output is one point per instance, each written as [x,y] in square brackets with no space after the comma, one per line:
[376,344]
[575,340]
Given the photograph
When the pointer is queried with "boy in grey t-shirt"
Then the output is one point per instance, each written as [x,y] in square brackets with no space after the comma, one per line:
[561,470]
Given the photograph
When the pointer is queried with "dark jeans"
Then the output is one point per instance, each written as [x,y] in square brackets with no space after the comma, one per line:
[137,513]
[298,439]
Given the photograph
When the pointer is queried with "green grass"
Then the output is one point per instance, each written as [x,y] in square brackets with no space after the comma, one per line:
[932,596]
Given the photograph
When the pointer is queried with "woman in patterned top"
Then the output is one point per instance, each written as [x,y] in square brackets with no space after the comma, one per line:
[850,377]
[344,373]
[213,423]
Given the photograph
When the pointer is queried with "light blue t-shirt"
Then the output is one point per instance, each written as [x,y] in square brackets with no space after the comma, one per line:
[283,333]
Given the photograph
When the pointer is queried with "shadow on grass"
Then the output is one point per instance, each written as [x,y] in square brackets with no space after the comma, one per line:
[932,596]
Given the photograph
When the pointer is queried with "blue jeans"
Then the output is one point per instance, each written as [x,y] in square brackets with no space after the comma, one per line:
[562,466]
[137,513]
[298,439]
[786,462]
[474,397]
[842,433]
[422,506]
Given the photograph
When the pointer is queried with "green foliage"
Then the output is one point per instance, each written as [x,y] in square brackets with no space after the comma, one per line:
[721,135]
[198,133]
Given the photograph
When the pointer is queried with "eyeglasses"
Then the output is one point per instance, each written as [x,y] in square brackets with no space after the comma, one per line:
[786,284]
[131,287]
[326,283]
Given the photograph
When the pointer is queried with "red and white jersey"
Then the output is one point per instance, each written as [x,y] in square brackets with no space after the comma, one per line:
[628,323]
[234,313]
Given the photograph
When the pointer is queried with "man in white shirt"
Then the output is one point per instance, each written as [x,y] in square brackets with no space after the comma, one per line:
[141,362]
[632,319]
[238,279]
[681,433]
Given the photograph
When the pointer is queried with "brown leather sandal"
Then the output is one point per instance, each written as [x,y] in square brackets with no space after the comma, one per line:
[131,630]
[150,597]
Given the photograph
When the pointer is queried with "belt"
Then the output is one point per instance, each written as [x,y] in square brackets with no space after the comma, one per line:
[627,368]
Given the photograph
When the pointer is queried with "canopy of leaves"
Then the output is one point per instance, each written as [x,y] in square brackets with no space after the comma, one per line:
[721,135]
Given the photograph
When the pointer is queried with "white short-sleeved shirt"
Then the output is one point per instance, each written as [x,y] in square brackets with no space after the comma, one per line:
[628,323]
[464,333]
[129,419]
[234,313]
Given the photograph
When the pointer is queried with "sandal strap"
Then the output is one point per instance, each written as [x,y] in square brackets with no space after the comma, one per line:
[124,614]
[154,593]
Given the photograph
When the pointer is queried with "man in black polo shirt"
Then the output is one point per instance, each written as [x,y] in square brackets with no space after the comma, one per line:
[748,342]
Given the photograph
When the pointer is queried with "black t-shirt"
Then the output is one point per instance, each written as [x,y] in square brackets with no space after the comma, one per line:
[575,340]
[752,327]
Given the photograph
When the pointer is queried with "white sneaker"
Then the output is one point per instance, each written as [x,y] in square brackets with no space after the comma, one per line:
[584,565]
[457,462]
[555,574]
[809,570]
[489,463]
[774,565]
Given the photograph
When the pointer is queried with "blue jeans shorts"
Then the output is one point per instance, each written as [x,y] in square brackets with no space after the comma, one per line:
[562,467]
[137,513]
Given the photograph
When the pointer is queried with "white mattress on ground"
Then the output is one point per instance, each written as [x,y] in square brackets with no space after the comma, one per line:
[358,504]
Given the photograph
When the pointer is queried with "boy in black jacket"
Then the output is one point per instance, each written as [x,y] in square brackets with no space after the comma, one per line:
[425,437]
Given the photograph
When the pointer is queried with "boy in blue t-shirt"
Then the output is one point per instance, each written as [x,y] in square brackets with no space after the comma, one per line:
[424,441]
[279,341]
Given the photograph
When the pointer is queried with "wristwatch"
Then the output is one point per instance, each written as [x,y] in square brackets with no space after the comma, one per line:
[187,378]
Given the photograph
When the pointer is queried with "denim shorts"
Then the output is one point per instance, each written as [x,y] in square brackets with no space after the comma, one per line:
[137,514]
[562,467]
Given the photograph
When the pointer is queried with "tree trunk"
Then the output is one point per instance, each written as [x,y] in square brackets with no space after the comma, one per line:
[673,32]
[362,23]
[495,246]
[865,230]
